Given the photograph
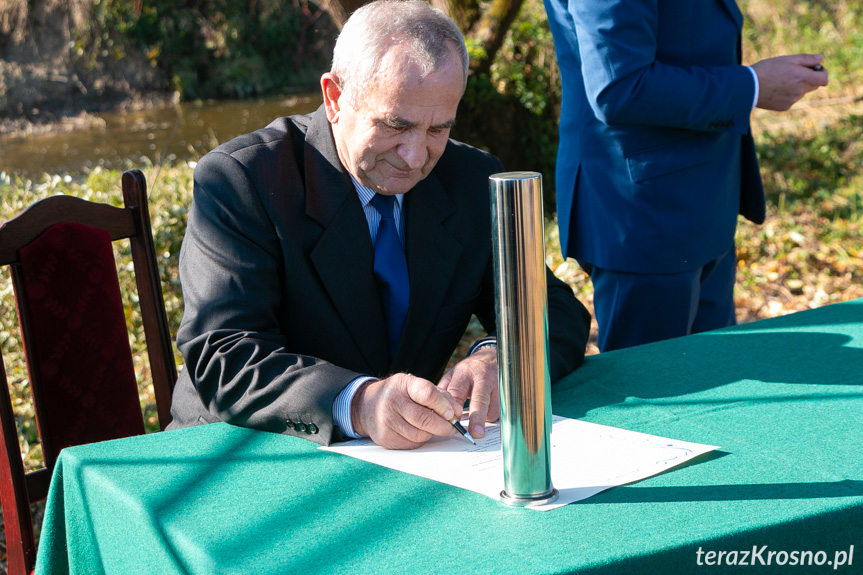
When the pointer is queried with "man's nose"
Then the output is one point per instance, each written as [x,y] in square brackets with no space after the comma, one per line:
[413,150]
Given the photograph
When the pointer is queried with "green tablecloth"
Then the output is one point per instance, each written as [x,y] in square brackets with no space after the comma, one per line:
[782,397]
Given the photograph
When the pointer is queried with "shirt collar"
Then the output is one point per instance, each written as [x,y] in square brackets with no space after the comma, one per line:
[366,194]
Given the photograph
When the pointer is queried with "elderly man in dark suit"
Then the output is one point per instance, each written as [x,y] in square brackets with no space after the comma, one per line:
[333,261]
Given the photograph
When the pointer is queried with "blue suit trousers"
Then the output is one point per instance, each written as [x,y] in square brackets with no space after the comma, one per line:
[633,308]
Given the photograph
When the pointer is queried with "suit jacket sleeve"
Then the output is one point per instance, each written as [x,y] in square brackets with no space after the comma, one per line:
[568,328]
[629,80]
[230,336]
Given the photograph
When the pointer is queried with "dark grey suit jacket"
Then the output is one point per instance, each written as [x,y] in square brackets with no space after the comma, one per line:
[281,306]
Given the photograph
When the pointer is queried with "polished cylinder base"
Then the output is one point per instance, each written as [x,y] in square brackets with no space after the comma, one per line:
[533,500]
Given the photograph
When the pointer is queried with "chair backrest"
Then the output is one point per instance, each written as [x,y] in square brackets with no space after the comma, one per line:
[76,340]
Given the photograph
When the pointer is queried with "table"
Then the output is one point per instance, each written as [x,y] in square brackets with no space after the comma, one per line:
[782,397]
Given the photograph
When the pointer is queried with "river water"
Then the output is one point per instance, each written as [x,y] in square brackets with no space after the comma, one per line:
[119,141]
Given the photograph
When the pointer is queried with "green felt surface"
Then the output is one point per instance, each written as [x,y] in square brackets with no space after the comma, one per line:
[783,398]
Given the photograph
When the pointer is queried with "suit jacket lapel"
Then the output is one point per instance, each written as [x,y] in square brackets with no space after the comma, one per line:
[734,10]
[432,253]
[343,255]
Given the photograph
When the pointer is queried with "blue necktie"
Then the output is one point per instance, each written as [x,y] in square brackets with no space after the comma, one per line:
[391,270]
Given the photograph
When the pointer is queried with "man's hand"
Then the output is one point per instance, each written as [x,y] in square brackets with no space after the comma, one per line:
[782,81]
[476,377]
[402,411]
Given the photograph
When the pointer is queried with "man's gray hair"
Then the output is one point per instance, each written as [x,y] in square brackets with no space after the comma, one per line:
[424,33]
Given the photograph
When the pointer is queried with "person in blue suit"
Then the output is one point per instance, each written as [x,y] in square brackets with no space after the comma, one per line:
[656,158]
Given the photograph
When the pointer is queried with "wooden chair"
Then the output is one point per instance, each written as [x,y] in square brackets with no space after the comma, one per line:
[75,339]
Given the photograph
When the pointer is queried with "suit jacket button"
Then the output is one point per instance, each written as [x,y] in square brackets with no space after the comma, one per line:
[291,424]
[301,427]
[312,429]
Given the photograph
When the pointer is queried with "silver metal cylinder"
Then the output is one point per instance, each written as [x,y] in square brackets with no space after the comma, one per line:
[522,337]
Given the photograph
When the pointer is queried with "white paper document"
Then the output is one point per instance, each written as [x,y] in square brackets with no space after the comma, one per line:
[586,458]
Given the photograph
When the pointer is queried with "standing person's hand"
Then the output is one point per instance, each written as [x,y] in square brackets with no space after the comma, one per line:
[475,377]
[402,411]
[783,80]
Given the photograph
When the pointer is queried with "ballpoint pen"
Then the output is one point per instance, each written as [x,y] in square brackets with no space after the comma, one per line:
[460,428]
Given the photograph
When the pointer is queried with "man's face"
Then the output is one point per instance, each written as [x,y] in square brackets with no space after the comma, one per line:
[399,127]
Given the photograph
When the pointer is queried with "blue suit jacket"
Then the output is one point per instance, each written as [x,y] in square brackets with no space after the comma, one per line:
[656,158]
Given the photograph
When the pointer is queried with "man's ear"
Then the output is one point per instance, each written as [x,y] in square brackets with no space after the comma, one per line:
[332,92]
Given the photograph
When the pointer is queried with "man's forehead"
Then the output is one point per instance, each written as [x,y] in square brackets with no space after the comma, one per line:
[400,67]
[411,102]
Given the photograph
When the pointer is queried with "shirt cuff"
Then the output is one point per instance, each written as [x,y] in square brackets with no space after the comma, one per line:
[489,341]
[342,406]
[754,79]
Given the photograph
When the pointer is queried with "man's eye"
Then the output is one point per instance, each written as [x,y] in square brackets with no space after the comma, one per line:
[396,127]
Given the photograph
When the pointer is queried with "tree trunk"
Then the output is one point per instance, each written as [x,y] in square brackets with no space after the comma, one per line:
[490,30]
[340,10]
[487,28]
[464,13]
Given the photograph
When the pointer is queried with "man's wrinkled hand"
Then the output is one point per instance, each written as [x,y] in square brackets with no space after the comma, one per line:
[783,80]
[402,411]
[475,378]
